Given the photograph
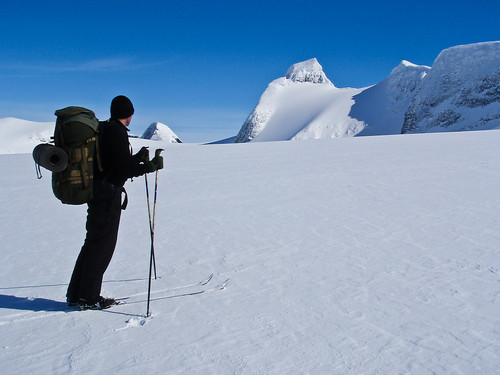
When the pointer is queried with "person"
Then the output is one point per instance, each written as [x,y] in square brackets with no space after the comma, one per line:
[104,209]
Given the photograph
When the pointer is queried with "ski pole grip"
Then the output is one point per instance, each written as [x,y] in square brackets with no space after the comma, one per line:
[158,152]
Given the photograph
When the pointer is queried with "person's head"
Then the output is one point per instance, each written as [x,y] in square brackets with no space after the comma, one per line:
[122,109]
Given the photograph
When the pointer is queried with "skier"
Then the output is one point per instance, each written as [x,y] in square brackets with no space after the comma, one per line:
[104,210]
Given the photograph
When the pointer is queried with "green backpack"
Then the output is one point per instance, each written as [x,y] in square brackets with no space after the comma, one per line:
[76,133]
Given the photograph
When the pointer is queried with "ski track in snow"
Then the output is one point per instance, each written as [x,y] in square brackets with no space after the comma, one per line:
[372,255]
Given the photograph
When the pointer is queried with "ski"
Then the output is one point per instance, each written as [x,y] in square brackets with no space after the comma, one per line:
[180,293]
[212,289]
[201,283]
[201,291]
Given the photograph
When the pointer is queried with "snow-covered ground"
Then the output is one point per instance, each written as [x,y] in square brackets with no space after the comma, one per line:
[369,255]
[21,136]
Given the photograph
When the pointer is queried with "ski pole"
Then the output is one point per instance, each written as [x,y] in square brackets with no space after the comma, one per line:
[152,261]
[152,220]
[157,153]
[151,225]
[151,256]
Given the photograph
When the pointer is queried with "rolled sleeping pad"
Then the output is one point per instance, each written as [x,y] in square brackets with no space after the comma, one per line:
[50,157]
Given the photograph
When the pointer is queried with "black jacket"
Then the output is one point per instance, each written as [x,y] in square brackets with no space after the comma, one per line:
[116,157]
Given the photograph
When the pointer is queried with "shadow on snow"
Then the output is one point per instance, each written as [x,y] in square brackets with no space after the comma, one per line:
[32,304]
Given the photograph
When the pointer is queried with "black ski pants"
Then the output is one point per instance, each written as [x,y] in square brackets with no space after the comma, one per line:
[103,219]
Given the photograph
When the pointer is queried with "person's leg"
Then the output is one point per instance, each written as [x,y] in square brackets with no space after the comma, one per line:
[103,221]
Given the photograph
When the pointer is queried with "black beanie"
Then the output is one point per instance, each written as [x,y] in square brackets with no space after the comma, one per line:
[121,107]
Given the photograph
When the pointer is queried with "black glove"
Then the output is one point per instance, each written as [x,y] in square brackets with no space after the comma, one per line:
[154,164]
[142,156]
[158,161]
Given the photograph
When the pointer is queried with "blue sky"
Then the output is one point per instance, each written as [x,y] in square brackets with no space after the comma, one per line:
[201,66]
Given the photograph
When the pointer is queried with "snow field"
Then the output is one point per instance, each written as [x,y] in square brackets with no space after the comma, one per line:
[370,255]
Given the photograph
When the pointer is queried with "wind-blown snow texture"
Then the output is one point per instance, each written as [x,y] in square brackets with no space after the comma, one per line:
[369,255]
[460,92]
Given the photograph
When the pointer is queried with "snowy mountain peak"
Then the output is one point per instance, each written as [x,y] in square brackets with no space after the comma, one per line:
[288,101]
[406,77]
[470,58]
[160,132]
[406,66]
[461,91]
[307,71]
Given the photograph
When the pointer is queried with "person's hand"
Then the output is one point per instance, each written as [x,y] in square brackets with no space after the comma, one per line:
[154,164]
[142,156]
[158,161]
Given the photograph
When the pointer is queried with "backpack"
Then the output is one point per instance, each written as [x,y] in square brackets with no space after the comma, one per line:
[76,133]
